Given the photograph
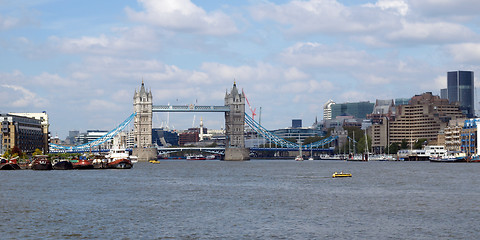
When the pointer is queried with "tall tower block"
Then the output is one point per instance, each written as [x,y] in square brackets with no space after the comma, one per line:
[234,126]
[142,105]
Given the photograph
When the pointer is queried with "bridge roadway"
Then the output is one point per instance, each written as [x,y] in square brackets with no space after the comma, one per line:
[221,150]
[189,108]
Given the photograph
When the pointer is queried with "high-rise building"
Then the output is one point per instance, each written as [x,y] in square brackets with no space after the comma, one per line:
[327,110]
[444,93]
[296,123]
[401,101]
[460,88]
[355,109]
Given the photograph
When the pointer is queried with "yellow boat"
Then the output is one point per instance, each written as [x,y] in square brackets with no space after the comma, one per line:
[154,161]
[341,174]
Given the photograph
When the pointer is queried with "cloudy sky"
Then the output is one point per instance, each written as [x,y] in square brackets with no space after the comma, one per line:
[81,61]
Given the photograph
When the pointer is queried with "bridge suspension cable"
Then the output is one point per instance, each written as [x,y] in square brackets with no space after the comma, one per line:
[280,141]
[96,142]
[267,134]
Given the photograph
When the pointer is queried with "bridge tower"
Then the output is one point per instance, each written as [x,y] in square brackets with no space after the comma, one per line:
[143,105]
[234,126]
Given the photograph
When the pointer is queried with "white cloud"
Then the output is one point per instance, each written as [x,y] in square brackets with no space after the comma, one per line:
[8,22]
[96,104]
[398,6]
[465,52]
[371,24]
[431,33]
[125,41]
[324,16]
[22,97]
[183,15]
[461,10]
[315,54]
[52,80]
[294,73]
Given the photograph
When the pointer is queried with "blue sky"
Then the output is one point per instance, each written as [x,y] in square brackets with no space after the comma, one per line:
[82,60]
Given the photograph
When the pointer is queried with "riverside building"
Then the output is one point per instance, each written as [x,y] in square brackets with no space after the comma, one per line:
[424,117]
[452,135]
[327,110]
[469,137]
[43,118]
[356,109]
[24,132]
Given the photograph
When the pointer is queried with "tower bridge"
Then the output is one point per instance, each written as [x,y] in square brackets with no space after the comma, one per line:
[233,108]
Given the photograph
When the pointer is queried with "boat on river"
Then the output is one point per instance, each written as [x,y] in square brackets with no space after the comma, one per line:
[82,163]
[300,155]
[41,162]
[63,165]
[447,159]
[196,157]
[120,164]
[299,158]
[341,174]
[9,164]
[119,159]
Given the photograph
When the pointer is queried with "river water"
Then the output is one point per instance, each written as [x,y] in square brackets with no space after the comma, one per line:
[258,199]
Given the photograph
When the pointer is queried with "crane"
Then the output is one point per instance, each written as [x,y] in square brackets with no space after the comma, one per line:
[249,106]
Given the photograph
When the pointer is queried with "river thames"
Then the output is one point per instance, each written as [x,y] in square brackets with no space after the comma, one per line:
[258,199]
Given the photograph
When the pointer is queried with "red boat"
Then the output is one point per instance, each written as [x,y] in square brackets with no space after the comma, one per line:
[82,163]
[41,162]
[120,164]
[196,157]
[9,164]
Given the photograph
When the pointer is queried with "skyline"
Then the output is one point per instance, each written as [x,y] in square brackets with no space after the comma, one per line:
[82,61]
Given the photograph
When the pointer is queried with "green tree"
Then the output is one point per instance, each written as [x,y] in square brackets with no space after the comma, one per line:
[362,144]
[404,144]
[420,143]
[393,148]
[292,140]
[37,152]
[312,139]
[7,154]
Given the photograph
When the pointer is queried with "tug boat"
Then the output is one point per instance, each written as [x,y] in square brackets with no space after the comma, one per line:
[123,163]
[41,162]
[9,164]
[119,159]
[341,174]
[63,165]
[83,163]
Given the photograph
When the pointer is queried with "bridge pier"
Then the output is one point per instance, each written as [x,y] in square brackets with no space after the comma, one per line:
[235,126]
[145,154]
[237,154]
[142,105]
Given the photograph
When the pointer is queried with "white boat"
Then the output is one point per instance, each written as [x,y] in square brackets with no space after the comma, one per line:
[311,154]
[120,153]
[300,156]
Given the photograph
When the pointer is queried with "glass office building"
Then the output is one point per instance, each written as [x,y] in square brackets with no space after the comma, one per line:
[357,109]
[460,88]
